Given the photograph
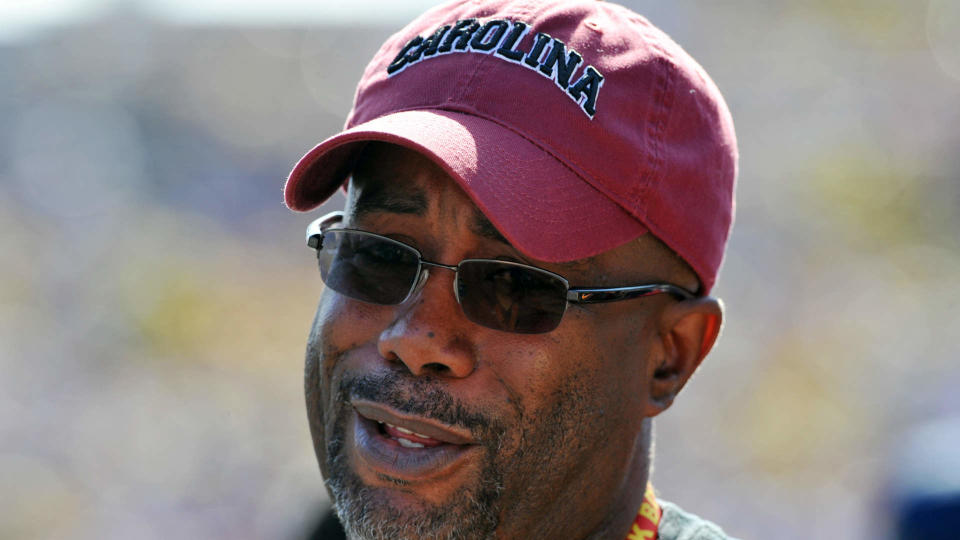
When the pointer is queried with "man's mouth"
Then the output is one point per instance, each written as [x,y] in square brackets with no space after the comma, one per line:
[408,447]
[407,438]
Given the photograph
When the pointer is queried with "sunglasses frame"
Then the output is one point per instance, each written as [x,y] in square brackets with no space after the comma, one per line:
[574,295]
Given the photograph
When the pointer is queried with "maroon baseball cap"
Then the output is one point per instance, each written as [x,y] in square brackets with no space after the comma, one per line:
[575,126]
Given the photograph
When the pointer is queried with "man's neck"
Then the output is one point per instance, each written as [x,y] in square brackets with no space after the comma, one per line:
[617,524]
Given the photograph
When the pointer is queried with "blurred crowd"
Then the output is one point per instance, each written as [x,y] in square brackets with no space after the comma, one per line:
[155,294]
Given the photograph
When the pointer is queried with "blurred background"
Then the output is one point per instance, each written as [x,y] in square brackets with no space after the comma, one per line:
[155,294]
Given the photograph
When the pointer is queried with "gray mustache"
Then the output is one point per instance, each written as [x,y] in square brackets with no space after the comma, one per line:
[422,397]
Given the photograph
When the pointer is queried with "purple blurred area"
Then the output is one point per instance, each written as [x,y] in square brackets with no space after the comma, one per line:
[155,294]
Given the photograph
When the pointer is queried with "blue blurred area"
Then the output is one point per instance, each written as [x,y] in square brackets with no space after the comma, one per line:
[930,518]
[923,492]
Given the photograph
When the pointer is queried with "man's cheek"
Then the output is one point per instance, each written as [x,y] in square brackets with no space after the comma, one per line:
[343,323]
[319,386]
[314,400]
[340,326]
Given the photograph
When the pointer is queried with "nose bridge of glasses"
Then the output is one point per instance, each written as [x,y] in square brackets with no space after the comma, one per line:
[425,262]
[425,272]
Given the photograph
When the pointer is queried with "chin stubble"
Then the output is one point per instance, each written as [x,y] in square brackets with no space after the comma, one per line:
[366,512]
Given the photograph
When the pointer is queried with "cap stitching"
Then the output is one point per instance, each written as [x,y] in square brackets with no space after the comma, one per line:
[656,123]
[482,64]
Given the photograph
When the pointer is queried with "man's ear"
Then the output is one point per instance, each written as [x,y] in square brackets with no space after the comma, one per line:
[687,332]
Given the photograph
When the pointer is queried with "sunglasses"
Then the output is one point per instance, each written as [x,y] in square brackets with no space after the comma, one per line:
[502,295]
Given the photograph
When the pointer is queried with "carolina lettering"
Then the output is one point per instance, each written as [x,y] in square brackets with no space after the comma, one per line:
[502,39]
[506,48]
[460,35]
[483,41]
[564,64]
[401,60]
[432,43]
[587,85]
[533,59]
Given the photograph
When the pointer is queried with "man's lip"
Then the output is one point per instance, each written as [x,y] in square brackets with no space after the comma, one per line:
[431,428]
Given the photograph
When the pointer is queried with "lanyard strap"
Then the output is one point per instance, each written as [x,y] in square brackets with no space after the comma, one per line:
[648,518]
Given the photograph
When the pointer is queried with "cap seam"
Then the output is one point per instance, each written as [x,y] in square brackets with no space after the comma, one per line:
[485,61]
[656,127]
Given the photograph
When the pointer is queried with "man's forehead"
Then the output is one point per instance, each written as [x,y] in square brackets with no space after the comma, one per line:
[392,179]
[407,183]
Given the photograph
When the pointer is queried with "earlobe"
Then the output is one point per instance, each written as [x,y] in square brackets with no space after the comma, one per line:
[688,331]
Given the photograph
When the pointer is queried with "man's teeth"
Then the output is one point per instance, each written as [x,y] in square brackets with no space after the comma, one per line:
[406,431]
[408,443]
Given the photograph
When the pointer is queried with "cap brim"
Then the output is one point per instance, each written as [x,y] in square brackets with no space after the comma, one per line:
[543,207]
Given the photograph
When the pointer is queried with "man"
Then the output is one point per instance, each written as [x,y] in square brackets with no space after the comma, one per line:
[539,194]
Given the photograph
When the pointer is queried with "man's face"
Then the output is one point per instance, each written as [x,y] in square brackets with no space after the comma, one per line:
[520,436]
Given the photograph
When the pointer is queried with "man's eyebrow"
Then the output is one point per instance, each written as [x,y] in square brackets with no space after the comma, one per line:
[414,201]
[481,226]
[385,199]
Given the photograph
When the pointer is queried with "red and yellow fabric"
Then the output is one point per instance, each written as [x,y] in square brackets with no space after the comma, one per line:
[648,518]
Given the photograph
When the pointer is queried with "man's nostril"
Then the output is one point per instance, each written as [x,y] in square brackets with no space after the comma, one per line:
[395,360]
[436,368]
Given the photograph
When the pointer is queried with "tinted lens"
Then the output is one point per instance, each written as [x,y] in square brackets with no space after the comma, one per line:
[367,267]
[511,297]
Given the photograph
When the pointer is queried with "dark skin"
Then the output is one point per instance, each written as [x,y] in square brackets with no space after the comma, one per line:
[559,422]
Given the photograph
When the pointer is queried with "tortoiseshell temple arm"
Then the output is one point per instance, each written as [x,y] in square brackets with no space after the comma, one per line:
[613,294]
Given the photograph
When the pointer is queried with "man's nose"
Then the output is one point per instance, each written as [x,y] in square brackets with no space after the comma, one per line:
[430,334]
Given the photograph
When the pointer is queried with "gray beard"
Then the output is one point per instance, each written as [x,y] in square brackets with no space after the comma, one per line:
[366,515]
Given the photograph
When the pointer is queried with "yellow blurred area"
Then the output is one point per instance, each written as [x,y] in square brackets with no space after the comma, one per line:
[222,312]
[882,203]
[826,421]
